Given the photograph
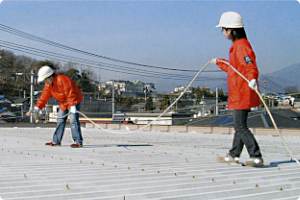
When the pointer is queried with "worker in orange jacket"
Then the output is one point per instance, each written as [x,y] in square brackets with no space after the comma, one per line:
[69,96]
[242,96]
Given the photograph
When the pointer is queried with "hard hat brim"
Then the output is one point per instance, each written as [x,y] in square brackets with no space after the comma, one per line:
[40,79]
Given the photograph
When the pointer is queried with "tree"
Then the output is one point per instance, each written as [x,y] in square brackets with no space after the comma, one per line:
[128,102]
[8,69]
[221,94]
[198,94]
[73,74]
[84,83]
[149,104]
[52,64]
[82,80]
[165,102]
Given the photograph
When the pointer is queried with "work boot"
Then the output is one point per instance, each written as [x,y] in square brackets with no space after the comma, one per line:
[76,145]
[228,159]
[51,144]
[254,162]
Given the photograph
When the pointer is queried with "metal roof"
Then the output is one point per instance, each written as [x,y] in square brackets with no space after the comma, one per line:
[285,118]
[141,165]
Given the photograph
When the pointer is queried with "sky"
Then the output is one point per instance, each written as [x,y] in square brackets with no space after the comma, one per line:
[178,35]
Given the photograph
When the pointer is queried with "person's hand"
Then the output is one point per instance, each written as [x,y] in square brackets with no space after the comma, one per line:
[253,84]
[34,111]
[73,109]
[214,61]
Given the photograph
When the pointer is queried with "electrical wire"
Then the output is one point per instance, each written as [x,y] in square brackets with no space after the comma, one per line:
[100,65]
[65,47]
[108,67]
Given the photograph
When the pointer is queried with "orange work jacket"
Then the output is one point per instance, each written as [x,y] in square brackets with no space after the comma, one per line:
[64,90]
[241,57]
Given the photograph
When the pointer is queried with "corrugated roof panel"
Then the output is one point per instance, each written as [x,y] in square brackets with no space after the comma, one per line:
[143,165]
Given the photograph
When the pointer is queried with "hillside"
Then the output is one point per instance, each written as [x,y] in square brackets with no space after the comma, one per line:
[278,80]
[275,82]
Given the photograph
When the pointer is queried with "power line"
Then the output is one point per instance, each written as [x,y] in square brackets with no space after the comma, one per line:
[100,65]
[49,42]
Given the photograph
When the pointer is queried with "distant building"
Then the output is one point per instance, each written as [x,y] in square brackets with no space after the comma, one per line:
[296,103]
[180,89]
[6,111]
[21,106]
[150,87]
[207,89]
[128,88]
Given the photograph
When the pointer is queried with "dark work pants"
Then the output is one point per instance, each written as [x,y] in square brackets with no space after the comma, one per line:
[243,136]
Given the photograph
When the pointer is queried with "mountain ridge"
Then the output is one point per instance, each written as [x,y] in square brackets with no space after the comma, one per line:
[280,79]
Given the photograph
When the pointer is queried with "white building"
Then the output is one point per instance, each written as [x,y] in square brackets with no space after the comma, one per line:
[180,89]
[125,87]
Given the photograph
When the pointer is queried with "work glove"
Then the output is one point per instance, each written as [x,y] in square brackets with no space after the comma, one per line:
[36,110]
[253,84]
[214,61]
[73,109]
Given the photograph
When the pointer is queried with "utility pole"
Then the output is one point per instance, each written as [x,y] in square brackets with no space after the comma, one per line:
[145,90]
[217,97]
[31,93]
[203,111]
[32,81]
[264,87]
[113,99]
[264,97]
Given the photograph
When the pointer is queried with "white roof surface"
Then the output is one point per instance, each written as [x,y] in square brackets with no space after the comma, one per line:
[142,165]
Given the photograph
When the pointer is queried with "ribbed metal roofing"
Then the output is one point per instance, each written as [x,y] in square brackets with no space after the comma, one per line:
[142,165]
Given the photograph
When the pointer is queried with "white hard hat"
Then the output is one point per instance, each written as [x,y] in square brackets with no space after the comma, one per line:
[231,20]
[44,72]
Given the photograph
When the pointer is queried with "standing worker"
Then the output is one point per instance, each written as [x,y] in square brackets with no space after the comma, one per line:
[69,96]
[242,96]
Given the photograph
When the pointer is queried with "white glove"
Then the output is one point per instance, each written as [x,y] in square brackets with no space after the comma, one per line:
[36,110]
[73,109]
[253,84]
[214,61]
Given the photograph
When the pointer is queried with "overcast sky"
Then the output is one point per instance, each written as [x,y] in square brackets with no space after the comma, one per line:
[167,34]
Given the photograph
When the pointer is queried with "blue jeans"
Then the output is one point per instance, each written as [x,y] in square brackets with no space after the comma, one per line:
[74,125]
[243,136]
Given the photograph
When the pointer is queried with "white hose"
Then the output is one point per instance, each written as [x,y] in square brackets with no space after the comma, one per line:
[187,87]
[210,62]
[268,110]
